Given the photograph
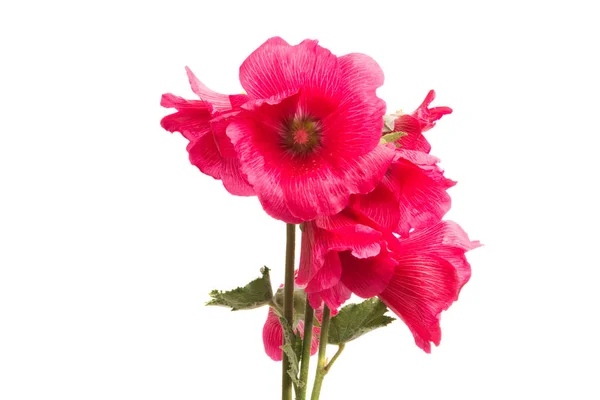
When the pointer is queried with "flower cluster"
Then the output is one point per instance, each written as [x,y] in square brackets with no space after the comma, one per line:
[311,140]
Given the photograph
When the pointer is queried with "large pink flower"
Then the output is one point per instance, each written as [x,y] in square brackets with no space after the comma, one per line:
[203,123]
[308,137]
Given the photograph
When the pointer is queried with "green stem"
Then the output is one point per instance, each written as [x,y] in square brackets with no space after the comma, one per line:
[288,305]
[321,371]
[341,347]
[306,345]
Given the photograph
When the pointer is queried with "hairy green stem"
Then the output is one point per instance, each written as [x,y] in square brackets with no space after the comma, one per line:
[321,371]
[288,305]
[306,345]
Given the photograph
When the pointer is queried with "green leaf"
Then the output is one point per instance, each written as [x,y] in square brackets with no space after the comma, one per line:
[291,351]
[255,294]
[392,137]
[354,320]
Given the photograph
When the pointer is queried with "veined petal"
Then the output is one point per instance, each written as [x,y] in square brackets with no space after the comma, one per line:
[273,336]
[214,101]
[414,139]
[446,240]
[422,286]
[191,119]
[277,67]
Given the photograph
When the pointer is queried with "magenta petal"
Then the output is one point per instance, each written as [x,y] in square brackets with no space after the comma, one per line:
[421,190]
[414,139]
[421,288]
[214,101]
[328,275]
[446,240]
[333,297]
[273,336]
[318,242]
[426,116]
[277,67]
[191,119]
[367,277]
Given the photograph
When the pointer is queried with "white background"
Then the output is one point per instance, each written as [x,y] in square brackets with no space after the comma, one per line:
[110,240]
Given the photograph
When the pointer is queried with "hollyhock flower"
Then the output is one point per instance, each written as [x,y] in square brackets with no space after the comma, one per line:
[411,195]
[203,123]
[308,137]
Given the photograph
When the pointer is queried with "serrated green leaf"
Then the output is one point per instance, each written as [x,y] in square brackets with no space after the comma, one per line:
[255,294]
[354,320]
[392,137]
[291,351]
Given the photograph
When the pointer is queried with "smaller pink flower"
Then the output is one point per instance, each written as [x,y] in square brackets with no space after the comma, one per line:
[204,122]
[273,336]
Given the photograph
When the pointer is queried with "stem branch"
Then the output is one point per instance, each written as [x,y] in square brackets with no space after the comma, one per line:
[321,371]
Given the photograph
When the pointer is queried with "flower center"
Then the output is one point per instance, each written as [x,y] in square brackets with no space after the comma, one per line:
[302,134]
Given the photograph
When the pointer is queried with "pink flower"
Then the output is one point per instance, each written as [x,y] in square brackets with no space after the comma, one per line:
[308,137]
[203,123]
[411,195]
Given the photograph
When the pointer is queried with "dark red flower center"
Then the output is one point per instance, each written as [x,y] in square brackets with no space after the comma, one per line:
[301,134]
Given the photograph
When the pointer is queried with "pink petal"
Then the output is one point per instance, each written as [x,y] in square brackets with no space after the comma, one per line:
[318,242]
[273,336]
[367,277]
[426,116]
[414,140]
[446,240]
[214,101]
[421,190]
[333,297]
[276,67]
[421,288]
[191,119]
[314,343]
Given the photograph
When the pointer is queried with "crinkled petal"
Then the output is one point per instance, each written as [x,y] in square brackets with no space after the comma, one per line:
[273,336]
[446,240]
[214,101]
[277,67]
[192,118]
[317,242]
[422,286]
